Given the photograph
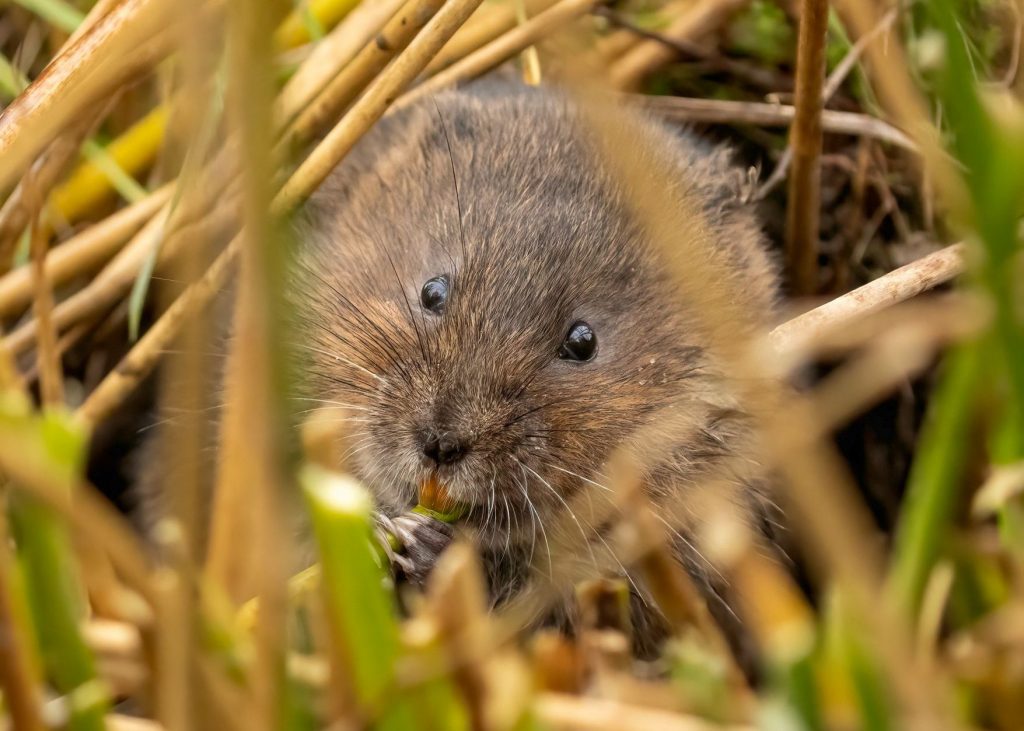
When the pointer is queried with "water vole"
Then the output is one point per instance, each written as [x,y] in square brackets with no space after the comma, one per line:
[474,294]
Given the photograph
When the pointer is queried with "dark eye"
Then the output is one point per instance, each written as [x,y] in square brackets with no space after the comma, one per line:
[580,343]
[434,294]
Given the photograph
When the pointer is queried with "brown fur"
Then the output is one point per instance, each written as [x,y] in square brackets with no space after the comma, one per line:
[497,188]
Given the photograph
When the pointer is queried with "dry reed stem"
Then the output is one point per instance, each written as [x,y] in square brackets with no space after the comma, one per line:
[703,17]
[721,111]
[96,13]
[497,51]
[23,204]
[81,253]
[333,53]
[573,713]
[484,27]
[19,671]
[180,701]
[770,602]
[649,548]
[529,59]
[247,556]
[347,85]
[48,360]
[897,286]
[844,67]
[805,139]
[372,105]
[102,291]
[119,45]
[141,359]
[117,277]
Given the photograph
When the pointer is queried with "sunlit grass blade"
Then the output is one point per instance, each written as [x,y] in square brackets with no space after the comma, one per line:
[935,478]
[361,614]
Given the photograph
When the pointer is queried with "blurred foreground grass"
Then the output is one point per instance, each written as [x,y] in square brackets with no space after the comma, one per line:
[98,633]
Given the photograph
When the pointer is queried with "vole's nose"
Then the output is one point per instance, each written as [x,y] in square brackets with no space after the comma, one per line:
[444,450]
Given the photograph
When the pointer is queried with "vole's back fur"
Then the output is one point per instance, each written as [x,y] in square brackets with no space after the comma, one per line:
[497,189]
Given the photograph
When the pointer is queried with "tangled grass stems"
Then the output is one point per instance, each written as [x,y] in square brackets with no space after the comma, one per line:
[834,667]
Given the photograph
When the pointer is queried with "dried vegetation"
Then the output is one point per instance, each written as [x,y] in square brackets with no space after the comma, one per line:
[152,151]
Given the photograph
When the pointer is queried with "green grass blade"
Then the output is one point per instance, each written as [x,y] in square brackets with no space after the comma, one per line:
[935,477]
[360,611]
[55,12]
[46,557]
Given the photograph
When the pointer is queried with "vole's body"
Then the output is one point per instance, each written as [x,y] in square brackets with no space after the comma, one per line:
[499,191]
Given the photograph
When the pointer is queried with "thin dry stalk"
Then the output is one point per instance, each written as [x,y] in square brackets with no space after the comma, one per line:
[756,75]
[889,73]
[721,111]
[832,85]
[805,139]
[51,373]
[672,588]
[173,642]
[121,44]
[247,554]
[180,698]
[896,286]
[347,85]
[119,722]
[82,253]
[229,560]
[844,67]
[24,202]
[506,46]
[484,27]
[702,18]
[372,105]
[766,115]
[457,604]
[98,11]
[333,53]
[107,288]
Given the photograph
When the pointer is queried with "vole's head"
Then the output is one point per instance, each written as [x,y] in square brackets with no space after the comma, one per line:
[479,304]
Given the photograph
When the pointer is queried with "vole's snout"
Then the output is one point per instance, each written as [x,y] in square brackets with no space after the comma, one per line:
[444,449]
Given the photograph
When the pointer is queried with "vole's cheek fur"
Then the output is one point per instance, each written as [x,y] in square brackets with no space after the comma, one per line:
[499,194]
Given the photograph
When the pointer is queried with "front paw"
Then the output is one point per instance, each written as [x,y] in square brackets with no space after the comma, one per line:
[421,540]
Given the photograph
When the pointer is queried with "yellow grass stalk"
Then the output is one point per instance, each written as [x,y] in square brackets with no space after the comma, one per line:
[293,30]
[89,185]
